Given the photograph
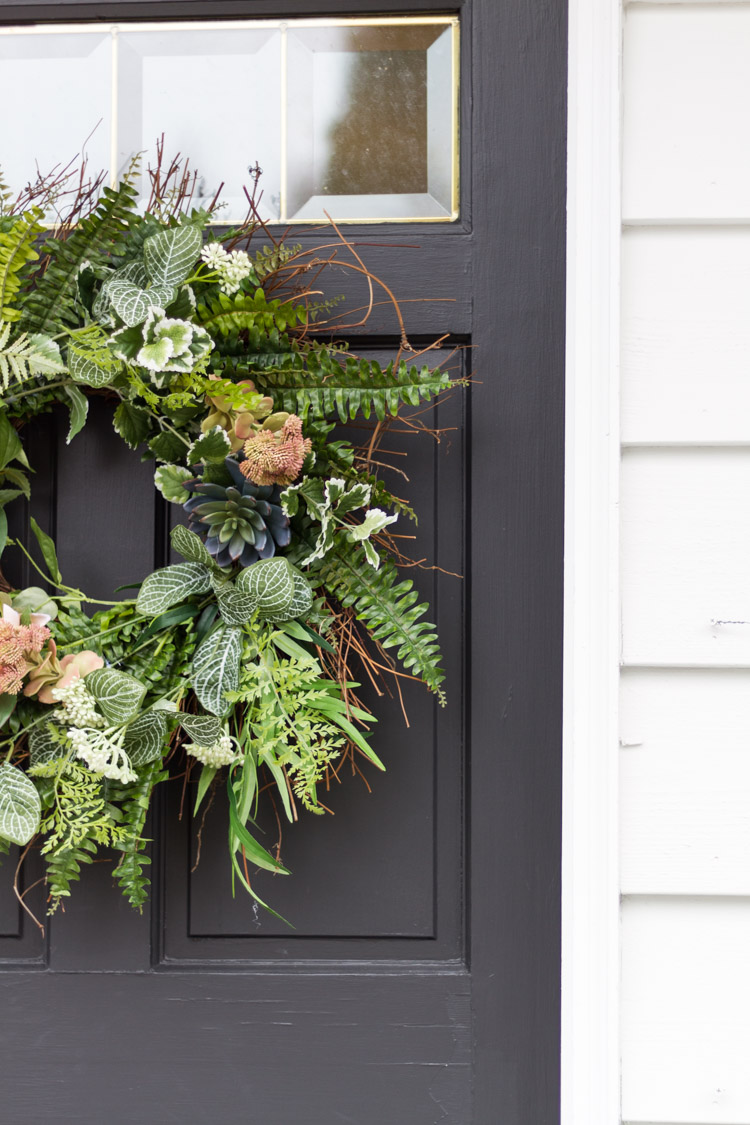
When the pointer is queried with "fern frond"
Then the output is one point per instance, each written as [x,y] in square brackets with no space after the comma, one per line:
[63,867]
[129,872]
[51,307]
[224,314]
[270,259]
[26,356]
[389,611]
[326,386]
[17,237]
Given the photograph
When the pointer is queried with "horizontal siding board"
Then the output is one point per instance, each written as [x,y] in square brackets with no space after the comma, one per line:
[686,85]
[686,557]
[685,782]
[685,1005]
[686,335]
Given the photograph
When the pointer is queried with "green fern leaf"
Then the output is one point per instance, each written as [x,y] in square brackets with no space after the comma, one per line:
[388,609]
[17,236]
[51,307]
[27,356]
[225,314]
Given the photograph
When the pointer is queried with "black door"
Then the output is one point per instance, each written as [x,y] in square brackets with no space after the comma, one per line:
[421,983]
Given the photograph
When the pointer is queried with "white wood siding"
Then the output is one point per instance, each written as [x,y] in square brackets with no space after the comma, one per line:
[685,565]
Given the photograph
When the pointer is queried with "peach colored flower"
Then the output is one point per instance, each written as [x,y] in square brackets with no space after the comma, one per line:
[276,457]
[71,667]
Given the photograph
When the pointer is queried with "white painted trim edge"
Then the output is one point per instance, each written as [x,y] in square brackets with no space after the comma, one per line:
[590,911]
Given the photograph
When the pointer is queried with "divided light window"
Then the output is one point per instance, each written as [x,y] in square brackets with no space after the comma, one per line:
[356,117]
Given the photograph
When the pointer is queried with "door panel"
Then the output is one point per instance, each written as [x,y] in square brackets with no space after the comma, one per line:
[421,983]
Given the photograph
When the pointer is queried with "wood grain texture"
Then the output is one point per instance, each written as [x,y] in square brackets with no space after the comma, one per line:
[685,557]
[685,335]
[685,998]
[686,85]
[685,782]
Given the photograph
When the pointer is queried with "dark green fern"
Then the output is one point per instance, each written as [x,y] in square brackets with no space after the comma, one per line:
[63,867]
[388,609]
[134,802]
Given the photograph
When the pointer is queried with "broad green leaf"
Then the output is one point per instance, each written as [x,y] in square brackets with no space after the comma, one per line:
[118,695]
[132,423]
[20,807]
[204,730]
[10,443]
[35,600]
[7,707]
[45,747]
[171,254]
[271,583]
[235,607]
[169,479]
[145,738]
[189,545]
[87,371]
[213,446]
[170,585]
[176,616]
[216,669]
[79,408]
[167,447]
[8,494]
[47,547]
[131,303]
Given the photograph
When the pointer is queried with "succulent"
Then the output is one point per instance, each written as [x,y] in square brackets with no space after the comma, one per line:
[239,523]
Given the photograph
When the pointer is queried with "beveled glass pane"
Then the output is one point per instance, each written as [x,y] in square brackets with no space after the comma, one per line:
[56,89]
[371,122]
[215,94]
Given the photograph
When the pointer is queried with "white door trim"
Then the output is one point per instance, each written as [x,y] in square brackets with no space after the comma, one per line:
[590,938]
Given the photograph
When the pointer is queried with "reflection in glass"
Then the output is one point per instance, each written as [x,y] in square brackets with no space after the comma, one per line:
[371,122]
[64,104]
[214,96]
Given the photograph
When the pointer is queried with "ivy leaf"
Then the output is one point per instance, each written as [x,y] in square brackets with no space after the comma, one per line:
[170,255]
[170,585]
[118,695]
[216,668]
[20,807]
[213,446]
[189,545]
[10,443]
[79,408]
[169,479]
[85,370]
[132,423]
[47,547]
[167,447]
[144,738]
[271,583]
[204,730]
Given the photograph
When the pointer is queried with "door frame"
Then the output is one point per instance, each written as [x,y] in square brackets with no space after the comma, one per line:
[591,902]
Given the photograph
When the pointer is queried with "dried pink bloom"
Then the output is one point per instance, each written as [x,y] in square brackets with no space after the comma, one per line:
[276,457]
[17,643]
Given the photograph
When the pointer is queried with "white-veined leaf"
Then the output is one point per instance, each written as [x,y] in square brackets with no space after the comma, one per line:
[302,599]
[118,695]
[171,585]
[171,254]
[79,408]
[204,730]
[271,583]
[131,303]
[216,668]
[145,738]
[189,545]
[20,807]
[44,747]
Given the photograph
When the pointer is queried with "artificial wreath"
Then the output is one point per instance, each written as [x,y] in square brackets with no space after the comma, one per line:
[220,359]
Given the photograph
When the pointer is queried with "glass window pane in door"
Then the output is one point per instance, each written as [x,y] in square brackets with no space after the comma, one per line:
[215,94]
[56,89]
[371,122]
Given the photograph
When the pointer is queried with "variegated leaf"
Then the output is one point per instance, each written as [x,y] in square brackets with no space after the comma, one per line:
[216,668]
[302,600]
[86,371]
[131,303]
[189,545]
[235,607]
[20,807]
[118,695]
[44,747]
[171,254]
[145,738]
[171,585]
[271,583]
[204,730]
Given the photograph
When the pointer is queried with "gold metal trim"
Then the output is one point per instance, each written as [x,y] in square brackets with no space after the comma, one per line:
[282,26]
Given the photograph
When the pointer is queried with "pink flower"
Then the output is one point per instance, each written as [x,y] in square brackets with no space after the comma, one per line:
[12,616]
[276,457]
[71,667]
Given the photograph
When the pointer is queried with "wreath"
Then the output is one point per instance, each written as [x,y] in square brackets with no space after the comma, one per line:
[227,369]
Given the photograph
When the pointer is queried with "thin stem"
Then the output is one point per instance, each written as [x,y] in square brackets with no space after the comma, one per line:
[39,390]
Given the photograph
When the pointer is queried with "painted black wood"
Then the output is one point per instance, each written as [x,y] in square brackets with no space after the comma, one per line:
[422,983]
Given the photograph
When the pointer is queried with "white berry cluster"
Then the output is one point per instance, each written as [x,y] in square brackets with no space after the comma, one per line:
[79,704]
[232,266]
[101,755]
[222,753]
